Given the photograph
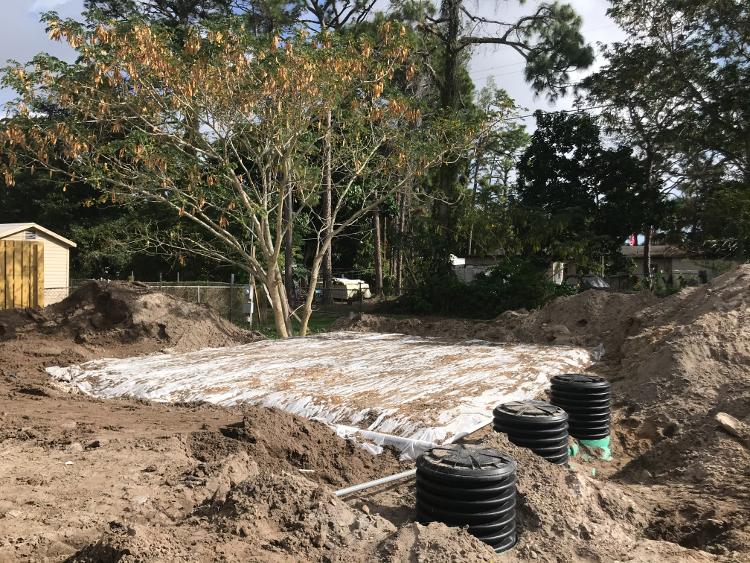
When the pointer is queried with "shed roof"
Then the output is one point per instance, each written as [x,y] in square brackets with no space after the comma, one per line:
[8,229]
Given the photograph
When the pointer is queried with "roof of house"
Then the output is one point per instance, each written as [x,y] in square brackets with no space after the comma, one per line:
[657,251]
[8,229]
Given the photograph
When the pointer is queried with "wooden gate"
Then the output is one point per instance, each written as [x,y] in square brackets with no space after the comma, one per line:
[21,274]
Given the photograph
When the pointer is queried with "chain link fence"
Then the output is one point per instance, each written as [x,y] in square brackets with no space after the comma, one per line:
[226,299]
[54,295]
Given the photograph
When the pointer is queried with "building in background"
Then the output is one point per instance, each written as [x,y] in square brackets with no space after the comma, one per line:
[54,270]
[675,264]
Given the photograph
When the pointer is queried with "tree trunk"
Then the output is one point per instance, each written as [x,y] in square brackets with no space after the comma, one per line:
[385,248]
[474,199]
[327,197]
[393,255]
[273,282]
[313,282]
[288,250]
[647,256]
[378,252]
[450,13]
[401,233]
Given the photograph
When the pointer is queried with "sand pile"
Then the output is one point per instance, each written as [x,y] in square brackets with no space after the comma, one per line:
[587,319]
[104,313]
[566,514]
[106,319]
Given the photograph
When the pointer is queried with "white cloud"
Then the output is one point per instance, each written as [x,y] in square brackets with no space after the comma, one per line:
[42,5]
[507,66]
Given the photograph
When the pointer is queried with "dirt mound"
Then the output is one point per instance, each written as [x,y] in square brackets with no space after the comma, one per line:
[106,319]
[280,441]
[689,361]
[589,319]
[692,350]
[103,313]
[289,513]
[566,515]
[133,543]
[434,543]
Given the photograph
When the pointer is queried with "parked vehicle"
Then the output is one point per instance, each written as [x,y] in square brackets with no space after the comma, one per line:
[345,289]
[587,282]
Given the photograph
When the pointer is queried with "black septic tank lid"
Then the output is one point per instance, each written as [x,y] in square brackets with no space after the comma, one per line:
[460,461]
[537,412]
[579,381]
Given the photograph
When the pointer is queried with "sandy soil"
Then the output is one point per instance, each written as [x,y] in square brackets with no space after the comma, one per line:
[125,480]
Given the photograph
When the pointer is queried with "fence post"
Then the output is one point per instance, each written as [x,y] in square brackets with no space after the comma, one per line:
[160,284]
[231,295]
[199,295]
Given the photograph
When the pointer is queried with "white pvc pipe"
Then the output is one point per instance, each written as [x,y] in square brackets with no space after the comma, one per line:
[376,482]
[404,474]
[385,439]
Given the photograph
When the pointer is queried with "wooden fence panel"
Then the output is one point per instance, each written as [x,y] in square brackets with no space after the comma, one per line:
[17,275]
[3,277]
[21,274]
[26,275]
[39,286]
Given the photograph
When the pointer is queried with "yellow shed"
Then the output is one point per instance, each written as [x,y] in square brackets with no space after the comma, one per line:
[56,256]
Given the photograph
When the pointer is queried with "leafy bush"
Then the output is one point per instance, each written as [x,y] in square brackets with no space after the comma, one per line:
[514,284]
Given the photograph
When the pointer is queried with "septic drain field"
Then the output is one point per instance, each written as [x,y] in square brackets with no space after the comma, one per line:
[128,479]
[420,388]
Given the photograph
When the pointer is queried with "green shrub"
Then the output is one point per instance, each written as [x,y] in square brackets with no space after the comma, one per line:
[514,284]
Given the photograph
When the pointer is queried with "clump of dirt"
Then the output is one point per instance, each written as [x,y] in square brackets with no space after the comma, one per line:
[566,512]
[280,441]
[435,543]
[134,543]
[291,514]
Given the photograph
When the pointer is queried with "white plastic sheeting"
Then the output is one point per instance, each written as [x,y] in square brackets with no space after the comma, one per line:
[425,389]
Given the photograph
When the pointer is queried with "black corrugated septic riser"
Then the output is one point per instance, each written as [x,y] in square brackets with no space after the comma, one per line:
[536,425]
[586,399]
[483,500]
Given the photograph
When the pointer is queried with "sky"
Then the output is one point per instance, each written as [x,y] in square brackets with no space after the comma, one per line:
[22,36]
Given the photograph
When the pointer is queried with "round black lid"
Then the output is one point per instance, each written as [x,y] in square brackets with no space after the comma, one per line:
[580,380]
[536,411]
[457,460]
